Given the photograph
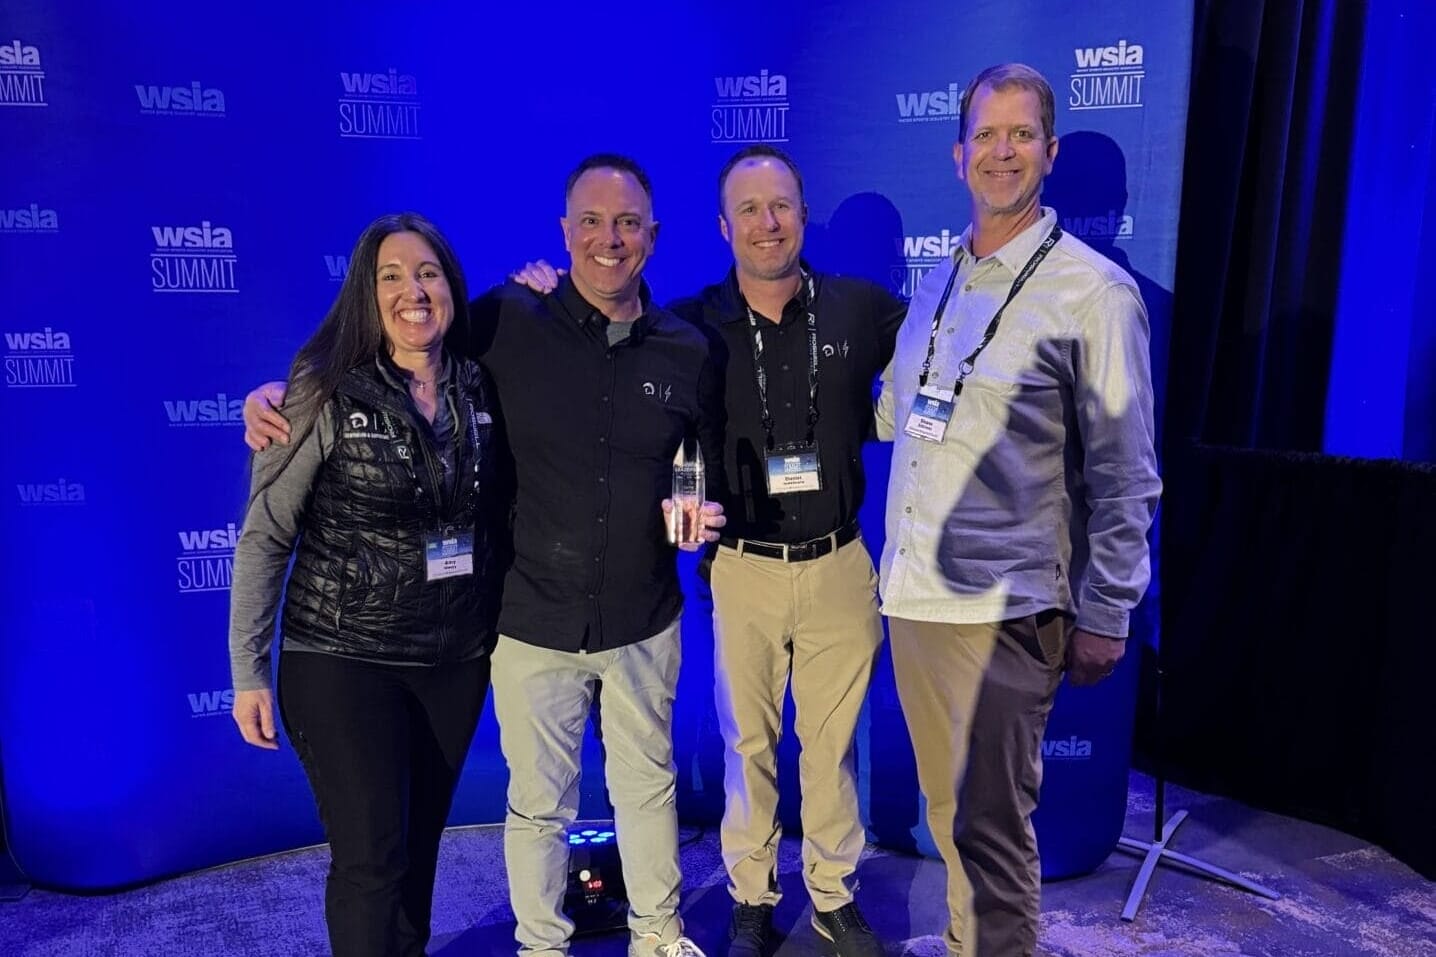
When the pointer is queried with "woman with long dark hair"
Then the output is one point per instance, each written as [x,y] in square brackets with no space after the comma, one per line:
[385,499]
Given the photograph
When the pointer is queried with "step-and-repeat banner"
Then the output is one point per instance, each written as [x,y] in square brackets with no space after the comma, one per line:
[180,190]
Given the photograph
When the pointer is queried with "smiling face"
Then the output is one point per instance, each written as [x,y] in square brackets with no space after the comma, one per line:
[412,291]
[1005,154]
[609,232]
[763,218]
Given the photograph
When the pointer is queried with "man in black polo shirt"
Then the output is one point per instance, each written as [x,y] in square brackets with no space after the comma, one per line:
[794,590]
[598,388]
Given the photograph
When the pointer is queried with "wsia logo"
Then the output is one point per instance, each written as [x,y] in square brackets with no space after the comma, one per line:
[1070,749]
[1113,225]
[29,219]
[39,360]
[208,704]
[921,255]
[192,100]
[379,106]
[219,411]
[338,267]
[51,493]
[22,78]
[750,109]
[206,559]
[934,106]
[193,259]
[1108,78]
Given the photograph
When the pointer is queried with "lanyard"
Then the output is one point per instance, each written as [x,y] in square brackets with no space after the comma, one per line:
[762,375]
[964,368]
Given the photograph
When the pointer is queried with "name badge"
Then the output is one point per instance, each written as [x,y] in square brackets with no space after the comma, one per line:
[931,412]
[448,554]
[794,468]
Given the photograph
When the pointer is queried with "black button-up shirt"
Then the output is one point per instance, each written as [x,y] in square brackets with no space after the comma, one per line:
[593,429]
[857,323]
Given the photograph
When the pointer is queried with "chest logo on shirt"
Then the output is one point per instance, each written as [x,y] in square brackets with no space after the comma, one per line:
[658,390]
[831,349]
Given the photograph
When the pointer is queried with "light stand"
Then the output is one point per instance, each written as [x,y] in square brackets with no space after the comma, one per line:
[1157,850]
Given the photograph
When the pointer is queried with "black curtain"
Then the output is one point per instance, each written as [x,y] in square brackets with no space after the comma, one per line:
[1292,641]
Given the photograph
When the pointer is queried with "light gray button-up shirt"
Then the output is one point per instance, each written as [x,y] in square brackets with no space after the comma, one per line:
[1042,492]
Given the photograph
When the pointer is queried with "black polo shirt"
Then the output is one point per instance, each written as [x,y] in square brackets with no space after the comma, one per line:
[593,429]
[857,323]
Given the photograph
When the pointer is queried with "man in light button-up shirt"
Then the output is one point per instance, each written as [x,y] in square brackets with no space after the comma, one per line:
[1016,534]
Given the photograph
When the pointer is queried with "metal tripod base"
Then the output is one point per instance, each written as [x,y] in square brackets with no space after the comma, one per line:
[1156,853]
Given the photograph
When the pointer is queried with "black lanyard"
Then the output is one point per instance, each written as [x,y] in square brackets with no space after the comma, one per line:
[762,376]
[964,368]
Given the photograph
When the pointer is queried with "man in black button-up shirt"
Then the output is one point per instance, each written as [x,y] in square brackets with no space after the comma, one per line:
[794,589]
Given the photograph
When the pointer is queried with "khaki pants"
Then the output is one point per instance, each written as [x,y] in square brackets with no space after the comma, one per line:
[976,700]
[814,625]
[542,699]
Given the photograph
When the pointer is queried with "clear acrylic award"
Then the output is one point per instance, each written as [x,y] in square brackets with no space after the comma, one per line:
[685,522]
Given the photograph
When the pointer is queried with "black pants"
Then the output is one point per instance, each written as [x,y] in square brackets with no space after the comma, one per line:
[382,746]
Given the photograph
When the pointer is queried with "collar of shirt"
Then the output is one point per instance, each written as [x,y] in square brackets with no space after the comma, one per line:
[1015,253]
[588,315]
[735,307]
[399,379]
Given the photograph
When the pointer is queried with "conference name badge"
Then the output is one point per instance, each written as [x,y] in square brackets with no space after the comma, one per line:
[794,468]
[449,553]
[931,412]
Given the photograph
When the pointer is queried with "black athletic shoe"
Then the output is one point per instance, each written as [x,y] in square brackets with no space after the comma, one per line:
[750,929]
[847,934]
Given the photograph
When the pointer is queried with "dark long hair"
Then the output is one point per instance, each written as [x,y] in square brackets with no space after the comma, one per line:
[352,332]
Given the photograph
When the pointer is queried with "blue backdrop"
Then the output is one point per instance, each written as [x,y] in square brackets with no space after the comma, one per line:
[180,189]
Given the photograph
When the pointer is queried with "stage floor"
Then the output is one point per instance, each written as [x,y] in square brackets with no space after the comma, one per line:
[1341,897]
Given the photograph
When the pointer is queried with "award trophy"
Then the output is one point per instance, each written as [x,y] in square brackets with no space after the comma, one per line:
[685,522]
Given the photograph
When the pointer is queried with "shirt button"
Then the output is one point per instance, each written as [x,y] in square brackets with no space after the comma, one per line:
[967,288]
[592,595]
[949,330]
[602,439]
[908,510]
[605,398]
[784,367]
[601,479]
[787,405]
[913,463]
[595,558]
[902,551]
[600,518]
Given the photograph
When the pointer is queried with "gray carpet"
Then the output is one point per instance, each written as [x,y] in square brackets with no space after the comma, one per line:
[1341,897]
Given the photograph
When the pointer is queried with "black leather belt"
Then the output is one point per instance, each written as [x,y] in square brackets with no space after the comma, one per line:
[800,552]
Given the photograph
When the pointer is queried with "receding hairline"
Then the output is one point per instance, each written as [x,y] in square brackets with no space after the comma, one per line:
[632,178]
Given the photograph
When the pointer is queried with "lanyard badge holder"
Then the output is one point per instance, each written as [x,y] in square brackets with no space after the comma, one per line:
[933,406]
[790,466]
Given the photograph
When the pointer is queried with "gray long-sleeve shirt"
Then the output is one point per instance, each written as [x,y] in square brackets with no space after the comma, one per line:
[1044,488]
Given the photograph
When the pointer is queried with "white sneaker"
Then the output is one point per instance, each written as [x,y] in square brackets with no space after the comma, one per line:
[647,946]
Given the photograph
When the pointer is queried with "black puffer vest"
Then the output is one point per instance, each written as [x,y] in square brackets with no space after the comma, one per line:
[359,580]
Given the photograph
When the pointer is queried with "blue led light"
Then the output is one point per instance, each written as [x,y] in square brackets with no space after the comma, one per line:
[588,833]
